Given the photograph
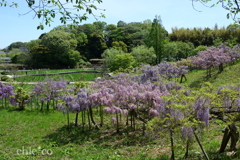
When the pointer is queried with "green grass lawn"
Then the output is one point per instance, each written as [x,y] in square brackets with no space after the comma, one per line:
[50,71]
[34,134]
[72,77]
[32,130]
[229,76]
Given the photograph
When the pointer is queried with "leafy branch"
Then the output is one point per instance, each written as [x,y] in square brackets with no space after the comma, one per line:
[46,10]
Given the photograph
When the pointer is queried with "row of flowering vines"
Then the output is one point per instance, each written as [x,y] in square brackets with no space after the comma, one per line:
[148,97]
[215,57]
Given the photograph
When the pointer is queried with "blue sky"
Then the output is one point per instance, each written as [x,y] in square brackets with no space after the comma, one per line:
[174,13]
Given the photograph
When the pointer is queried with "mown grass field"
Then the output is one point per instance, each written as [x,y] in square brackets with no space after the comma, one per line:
[72,77]
[43,135]
[29,72]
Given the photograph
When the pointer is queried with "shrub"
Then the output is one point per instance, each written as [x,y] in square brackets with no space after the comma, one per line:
[109,56]
[5,78]
[123,61]
[144,55]
[5,73]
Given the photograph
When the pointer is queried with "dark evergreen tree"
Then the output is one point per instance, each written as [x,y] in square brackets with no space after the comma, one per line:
[156,38]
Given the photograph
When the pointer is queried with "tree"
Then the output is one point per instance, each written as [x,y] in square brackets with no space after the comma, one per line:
[100,25]
[92,42]
[109,55]
[47,10]
[119,46]
[123,61]
[32,43]
[210,58]
[75,57]
[132,34]
[233,27]
[144,55]
[56,50]
[13,52]
[184,50]
[95,46]
[59,41]
[40,57]
[16,45]
[156,38]
[20,58]
[199,48]
[170,50]
[121,24]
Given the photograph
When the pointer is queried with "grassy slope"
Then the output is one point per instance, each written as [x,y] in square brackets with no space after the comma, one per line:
[230,76]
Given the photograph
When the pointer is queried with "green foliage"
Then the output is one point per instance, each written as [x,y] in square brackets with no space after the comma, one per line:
[13,52]
[109,55]
[132,34]
[170,51]
[84,64]
[232,41]
[20,58]
[95,47]
[205,36]
[156,38]
[144,55]
[82,39]
[32,43]
[56,50]
[119,46]
[48,10]
[4,78]
[16,45]
[233,27]
[184,50]
[74,58]
[123,61]
[100,25]
[40,57]
[199,48]
[59,41]
[4,72]
[79,85]
[21,98]
[217,42]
